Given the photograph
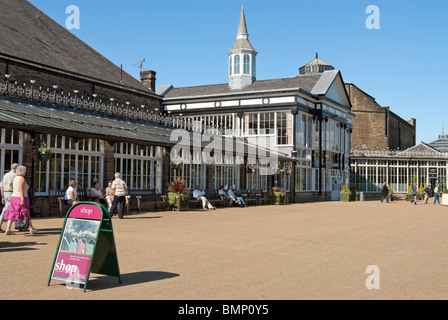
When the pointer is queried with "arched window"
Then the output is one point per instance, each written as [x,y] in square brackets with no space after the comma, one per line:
[253,67]
[246,64]
[230,65]
[236,70]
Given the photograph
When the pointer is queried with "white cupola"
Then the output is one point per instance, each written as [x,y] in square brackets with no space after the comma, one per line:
[242,63]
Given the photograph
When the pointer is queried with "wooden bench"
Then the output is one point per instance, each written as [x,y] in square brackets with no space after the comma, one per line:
[148,197]
[212,197]
[263,198]
[249,196]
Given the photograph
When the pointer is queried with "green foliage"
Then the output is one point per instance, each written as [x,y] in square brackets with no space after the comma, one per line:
[177,186]
[275,195]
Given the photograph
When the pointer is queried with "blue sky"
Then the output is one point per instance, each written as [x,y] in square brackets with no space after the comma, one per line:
[403,65]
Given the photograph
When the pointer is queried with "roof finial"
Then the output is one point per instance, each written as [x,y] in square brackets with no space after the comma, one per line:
[317,55]
[242,27]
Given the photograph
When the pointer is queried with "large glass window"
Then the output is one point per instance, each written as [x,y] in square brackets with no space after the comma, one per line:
[78,159]
[10,149]
[267,122]
[284,128]
[140,166]
[270,123]
[192,171]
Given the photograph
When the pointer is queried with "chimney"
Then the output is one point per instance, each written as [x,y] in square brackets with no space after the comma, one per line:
[148,79]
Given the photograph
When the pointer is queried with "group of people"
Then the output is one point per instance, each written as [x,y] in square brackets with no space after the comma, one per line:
[427,192]
[14,190]
[114,195]
[228,196]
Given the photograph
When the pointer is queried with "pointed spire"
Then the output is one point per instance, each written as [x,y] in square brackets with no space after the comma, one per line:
[242,28]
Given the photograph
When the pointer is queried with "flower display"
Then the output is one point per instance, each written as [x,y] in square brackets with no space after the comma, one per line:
[250,168]
[41,152]
[178,165]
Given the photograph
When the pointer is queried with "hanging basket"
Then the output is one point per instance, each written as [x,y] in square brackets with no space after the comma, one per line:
[41,152]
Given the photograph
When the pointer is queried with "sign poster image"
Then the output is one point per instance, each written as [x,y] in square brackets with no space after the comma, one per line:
[76,250]
[86,245]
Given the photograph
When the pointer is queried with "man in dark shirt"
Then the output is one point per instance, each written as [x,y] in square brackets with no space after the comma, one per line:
[385,193]
[427,193]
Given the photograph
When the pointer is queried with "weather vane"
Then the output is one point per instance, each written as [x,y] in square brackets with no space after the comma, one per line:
[140,64]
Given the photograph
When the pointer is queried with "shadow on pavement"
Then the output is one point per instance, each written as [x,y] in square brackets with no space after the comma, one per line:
[128,279]
[19,246]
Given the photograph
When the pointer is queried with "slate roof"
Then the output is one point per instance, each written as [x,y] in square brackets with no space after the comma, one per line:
[28,116]
[28,33]
[41,117]
[305,82]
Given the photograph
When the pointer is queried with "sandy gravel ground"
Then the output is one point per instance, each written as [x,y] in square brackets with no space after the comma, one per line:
[298,251]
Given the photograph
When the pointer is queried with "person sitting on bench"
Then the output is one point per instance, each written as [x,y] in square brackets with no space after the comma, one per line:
[232,196]
[200,196]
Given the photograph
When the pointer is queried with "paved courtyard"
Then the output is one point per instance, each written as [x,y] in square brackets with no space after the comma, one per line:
[298,251]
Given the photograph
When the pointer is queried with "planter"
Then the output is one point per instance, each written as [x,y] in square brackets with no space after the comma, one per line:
[354,196]
[277,198]
[42,157]
[346,196]
[178,201]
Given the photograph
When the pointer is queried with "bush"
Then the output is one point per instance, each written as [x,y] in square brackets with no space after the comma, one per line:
[178,186]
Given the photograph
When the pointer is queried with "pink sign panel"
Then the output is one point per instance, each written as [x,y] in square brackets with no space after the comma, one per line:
[85,211]
[72,267]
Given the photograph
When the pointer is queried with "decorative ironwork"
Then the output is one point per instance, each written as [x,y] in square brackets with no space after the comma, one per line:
[398,154]
[94,105]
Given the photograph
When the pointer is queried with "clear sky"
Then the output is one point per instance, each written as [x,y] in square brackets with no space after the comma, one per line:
[404,64]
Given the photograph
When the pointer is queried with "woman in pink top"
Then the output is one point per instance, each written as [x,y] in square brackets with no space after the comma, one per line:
[20,203]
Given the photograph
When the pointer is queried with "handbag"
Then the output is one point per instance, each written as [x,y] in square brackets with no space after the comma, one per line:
[22,223]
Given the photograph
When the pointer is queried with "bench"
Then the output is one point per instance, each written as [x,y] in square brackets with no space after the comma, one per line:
[212,197]
[141,197]
[263,198]
[249,196]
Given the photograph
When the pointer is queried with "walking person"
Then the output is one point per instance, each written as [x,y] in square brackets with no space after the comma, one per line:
[6,189]
[20,203]
[414,194]
[119,189]
[427,192]
[385,193]
[436,194]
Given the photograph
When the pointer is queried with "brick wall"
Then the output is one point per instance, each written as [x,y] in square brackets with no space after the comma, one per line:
[375,126]
[22,73]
